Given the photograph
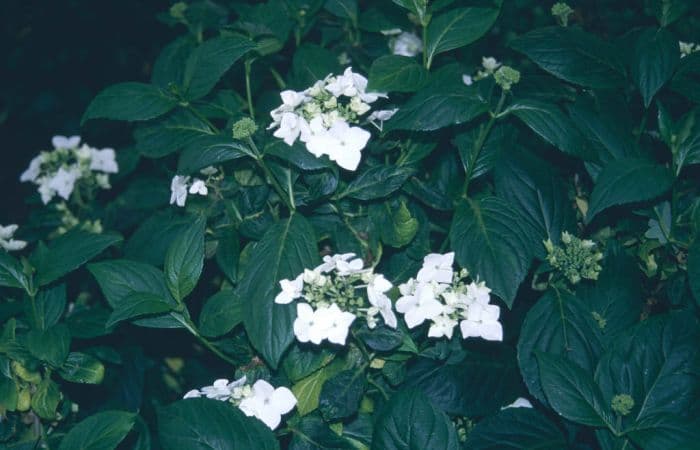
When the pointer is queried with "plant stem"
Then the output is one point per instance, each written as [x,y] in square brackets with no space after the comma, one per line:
[251,110]
[193,330]
[426,61]
[203,118]
[270,177]
[381,390]
[480,140]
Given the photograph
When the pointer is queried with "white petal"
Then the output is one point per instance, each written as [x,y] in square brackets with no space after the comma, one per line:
[283,400]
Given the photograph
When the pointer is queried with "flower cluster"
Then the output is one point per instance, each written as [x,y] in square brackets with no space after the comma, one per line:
[181,186]
[504,76]
[561,12]
[321,117]
[443,297]
[260,400]
[576,259]
[688,48]
[331,301]
[56,172]
[7,240]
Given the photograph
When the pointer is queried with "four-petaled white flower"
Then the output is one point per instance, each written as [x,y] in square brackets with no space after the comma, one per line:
[478,292]
[419,305]
[334,322]
[291,290]
[330,263]
[306,326]
[376,294]
[341,142]
[34,169]
[63,181]
[443,325]
[482,321]
[7,241]
[490,64]
[65,142]
[220,390]
[267,403]
[103,160]
[198,187]
[436,267]
[406,44]
[178,190]
[290,127]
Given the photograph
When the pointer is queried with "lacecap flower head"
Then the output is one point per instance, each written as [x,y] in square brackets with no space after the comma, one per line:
[332,295]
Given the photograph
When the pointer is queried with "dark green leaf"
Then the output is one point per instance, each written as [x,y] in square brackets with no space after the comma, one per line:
[285,250]
[312,63]
[50,345]
[558,324]
[381,339]
[152,239]
[210,61]
[572,392]
[138,304]
[667,431]
[185,260]
[459,27]
[377,182]
[169,67]
[170,134]
[129,101]
[395,73]
[685,81]
[101,431]
[82,368]
[478,162]
[70,251]
[302,360]
[45,399]
[627,181]
[516,429]
[654,59]
[573,55]
[308,389]
[207,151]
[47,308]
[341,394]
[686,145]
[410,422]
[694,269]
[489,242]
[550,123]
[312,433]
[296,154]
[204,424]
[11,272]
[345,9]
[221,313]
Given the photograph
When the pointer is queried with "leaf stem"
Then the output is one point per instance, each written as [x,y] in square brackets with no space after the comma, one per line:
[270,176]
[203,118]
[248,63]
[192,328]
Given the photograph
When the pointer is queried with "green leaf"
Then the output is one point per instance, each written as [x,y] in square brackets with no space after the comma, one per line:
[377,182]
[340,395]
[82,368]
[210,61]
[572,392]
[685,81]
[185,260]
[654,59]
[209,150]
[459,27]
[296,154]
[129,101]
[285,250]
[656,363]
[312,433]
[204,424]
[409,421]
[11,272]
[478,385]
[559,324]
[152,239]
[550,123]
[417,7]
[478,162]
[47,308]
[489,242]
[308,389]
[8,393]
[627,181]
[221,313]
[573,55]
[438,105]
[686,146]
[101,431]
[397,227]
[169,66]
[345,9]
[303,360]
[667,431]
[537,194]
[312,63]
[45,399]
[138,304]
[694,269]
[51,345]
[395,73]
[170,134]
[516,429]
[70,251]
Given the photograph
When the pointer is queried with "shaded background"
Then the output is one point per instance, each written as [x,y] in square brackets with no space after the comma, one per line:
[56,55]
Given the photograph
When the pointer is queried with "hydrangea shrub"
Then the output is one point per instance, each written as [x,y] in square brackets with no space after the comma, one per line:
[393,225]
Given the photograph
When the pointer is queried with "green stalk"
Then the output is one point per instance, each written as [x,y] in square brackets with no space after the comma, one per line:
[270,177]
[251,110]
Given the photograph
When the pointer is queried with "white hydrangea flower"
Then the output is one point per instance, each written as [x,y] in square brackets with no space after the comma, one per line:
[7,241]
[342,143]
[268,404]
[198,187]
[482,321]
[218,391]
[334,322]
[478,292]
[63,182]
[178,190]
[291,126]
[291,290]
[436,267]
[467,79]
[420,305]
[406,44]
[34,169]
[490,64]
[65,142]
[330,263]
[104,160]
[443,325]
[520,402]
[194,393]
[306,326]
[376,294]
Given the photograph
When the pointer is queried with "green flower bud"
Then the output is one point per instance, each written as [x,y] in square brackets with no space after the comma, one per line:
[177,11]
[576,259]
[561,11]
[506,77]
[24,400]
[622,404]
[244,128]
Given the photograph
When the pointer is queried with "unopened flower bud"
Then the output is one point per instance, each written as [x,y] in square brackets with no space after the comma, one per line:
[622,404]
[506,77]
[561,11]
[244,128]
